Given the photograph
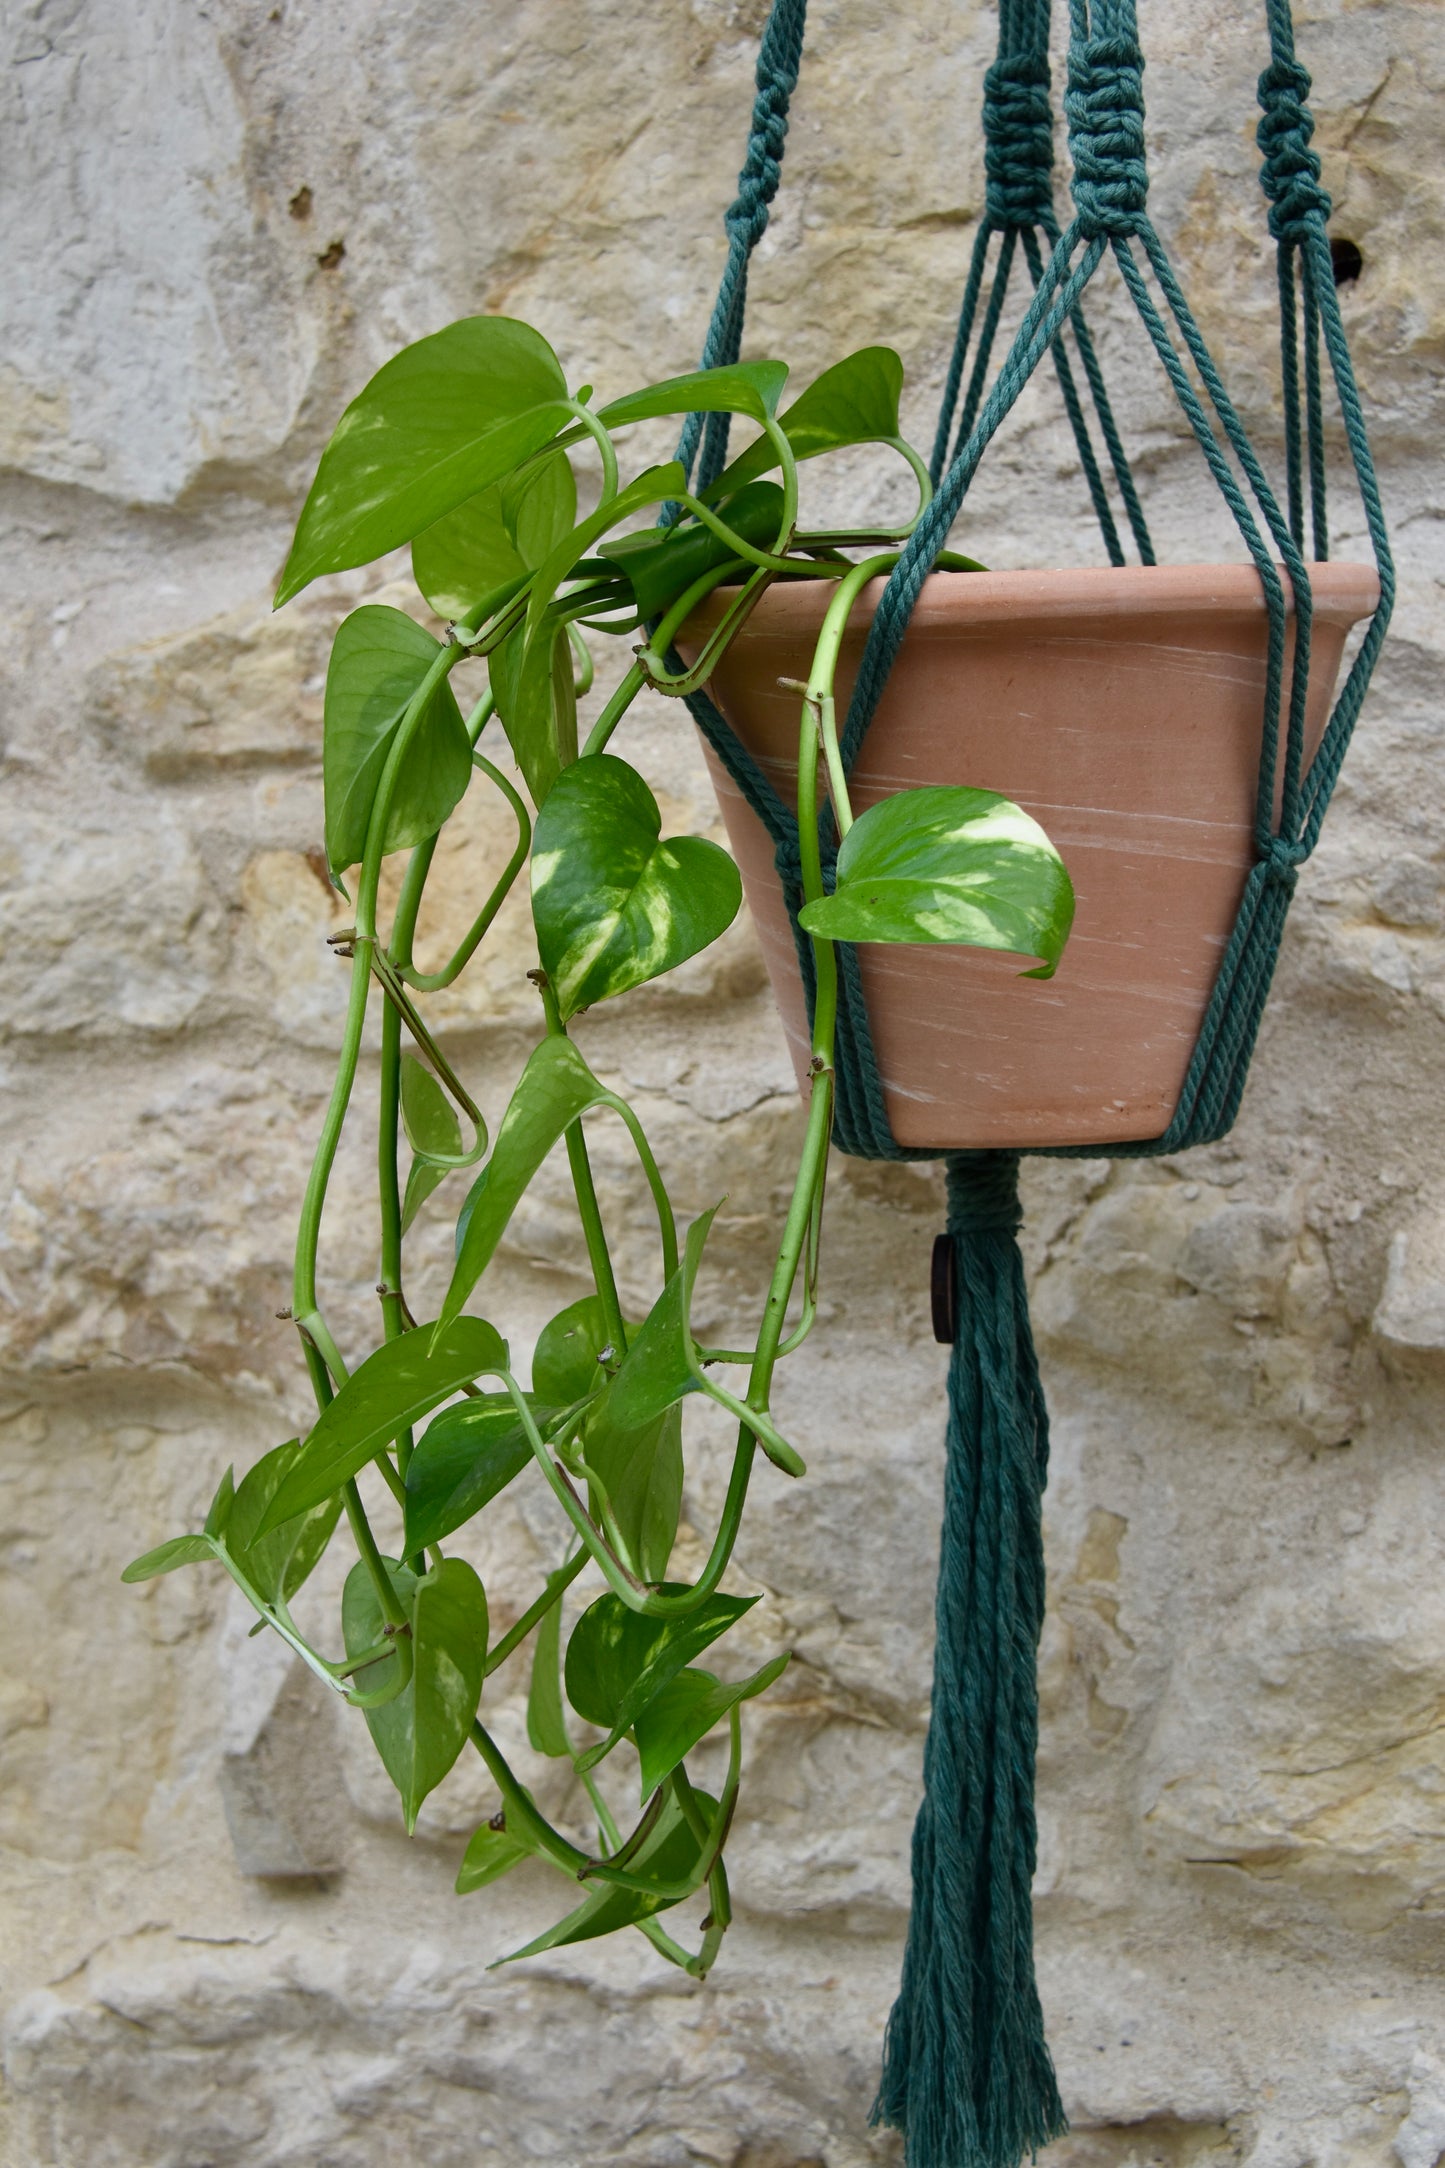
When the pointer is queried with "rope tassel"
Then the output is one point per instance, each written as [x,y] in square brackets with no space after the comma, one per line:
[966,2072]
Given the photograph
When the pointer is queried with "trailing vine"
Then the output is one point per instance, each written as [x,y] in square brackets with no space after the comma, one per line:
[462,446]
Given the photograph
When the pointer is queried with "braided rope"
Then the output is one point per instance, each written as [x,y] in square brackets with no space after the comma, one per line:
[745,222]
[966,2071]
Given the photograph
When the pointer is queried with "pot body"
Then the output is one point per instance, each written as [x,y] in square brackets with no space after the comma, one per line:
[1123,709]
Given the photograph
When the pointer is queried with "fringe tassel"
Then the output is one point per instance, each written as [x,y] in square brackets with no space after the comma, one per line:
[966,2073]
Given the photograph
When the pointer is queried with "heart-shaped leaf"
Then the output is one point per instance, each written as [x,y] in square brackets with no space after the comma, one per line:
[464,1458]
[686,1711]
[639,1463]
[222,1505]
[178,1551]
[661,1362]
[854,402]
[739,387]
[618,1659]
[670,1853]
[427,1114]
[564,1361]
[420,1734]
[533,686]
[431,1126]
[615,906]
[378,661]
[641,1468]
[490,1854]
[403,1379]
[949,864]
[553,1090]
[495,538]
[442,421]
[276,1564]
[546,1724]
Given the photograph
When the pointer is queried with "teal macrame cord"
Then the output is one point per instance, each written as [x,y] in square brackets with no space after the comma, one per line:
[967,2076]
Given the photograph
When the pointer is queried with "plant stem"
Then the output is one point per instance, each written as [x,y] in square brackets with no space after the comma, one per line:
[588,1208]
[516,1634]
[521,1814]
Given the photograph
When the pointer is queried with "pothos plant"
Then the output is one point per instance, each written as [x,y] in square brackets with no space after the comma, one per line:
[462,446]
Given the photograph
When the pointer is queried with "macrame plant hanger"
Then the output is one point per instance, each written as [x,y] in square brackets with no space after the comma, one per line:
[966,2072]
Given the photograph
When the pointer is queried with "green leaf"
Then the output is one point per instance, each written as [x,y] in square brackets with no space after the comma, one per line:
[642,1470]
[495,538]
[741,387]
[442,421]
[421,1733]
[670,1853]
[276,1564]
[661,1362]
[179,1551]
[614,906]
[431,1126]
[661,565]
[617,1659]
[490,1854]
[222,1504]
[465,1457]
[427,1114]
[405,1378]
[378,661]
[653,486]
[854,402]
[553,1090]
[546,1725]
[640,1464]
[422,1180]
[685,1711]
[949,864]
[533,687]
[564,1361]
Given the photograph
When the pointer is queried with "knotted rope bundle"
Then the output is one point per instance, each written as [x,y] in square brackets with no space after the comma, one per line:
[967,2075]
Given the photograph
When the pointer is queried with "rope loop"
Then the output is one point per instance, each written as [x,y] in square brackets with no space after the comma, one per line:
[746,217]
[983,1193]
[1018,157]
[1105,107]
[1290,173]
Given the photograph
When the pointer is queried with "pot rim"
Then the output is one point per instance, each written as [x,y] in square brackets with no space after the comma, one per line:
[1343,591]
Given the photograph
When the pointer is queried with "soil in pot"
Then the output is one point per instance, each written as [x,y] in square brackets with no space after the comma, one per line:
[1122,707]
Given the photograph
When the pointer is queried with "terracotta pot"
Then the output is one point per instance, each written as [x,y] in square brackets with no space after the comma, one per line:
[1122,708]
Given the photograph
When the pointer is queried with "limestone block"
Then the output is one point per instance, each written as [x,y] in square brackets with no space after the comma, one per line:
[1411,1312]
[130,191]
[278,1769]
[173,1245]
[107,929]
[242,692]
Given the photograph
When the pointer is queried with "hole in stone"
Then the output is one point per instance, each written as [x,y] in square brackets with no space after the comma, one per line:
[300,204]
[1346,259]
[331,257]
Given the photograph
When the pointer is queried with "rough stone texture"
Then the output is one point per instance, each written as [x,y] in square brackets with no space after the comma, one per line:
[219,219]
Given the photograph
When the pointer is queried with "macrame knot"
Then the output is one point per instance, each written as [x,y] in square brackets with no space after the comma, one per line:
[1018,135]
[1105,107]
[746,218]
[1291,170]
[1282,862]
[983,1193]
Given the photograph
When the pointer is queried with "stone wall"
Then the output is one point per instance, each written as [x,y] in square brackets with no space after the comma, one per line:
[218,1945]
